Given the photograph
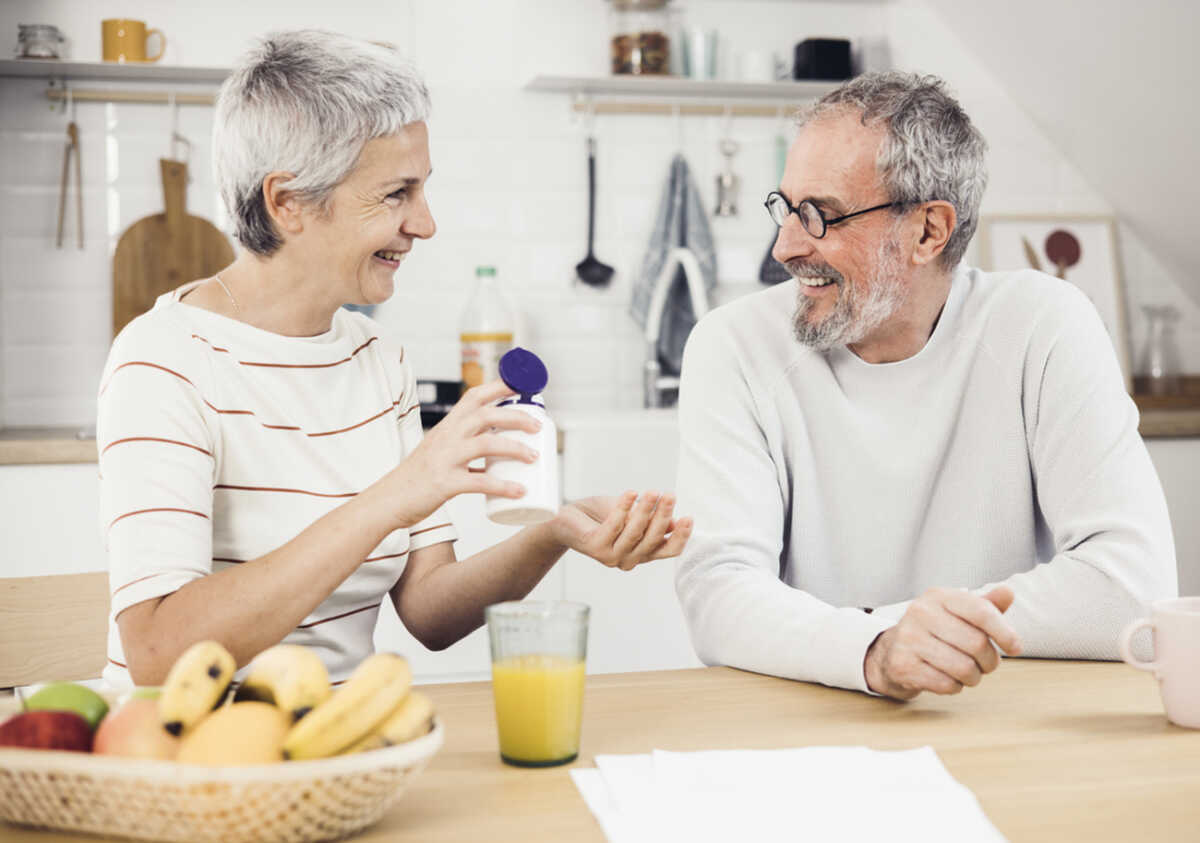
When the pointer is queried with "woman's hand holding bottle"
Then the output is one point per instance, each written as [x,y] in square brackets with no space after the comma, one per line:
[438,469]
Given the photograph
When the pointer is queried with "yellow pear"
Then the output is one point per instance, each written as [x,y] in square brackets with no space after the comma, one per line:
[237,734]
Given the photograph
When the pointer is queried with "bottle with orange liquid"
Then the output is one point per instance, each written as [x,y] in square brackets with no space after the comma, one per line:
[486,329]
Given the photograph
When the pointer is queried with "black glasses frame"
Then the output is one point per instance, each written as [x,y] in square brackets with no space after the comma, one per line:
[825,223]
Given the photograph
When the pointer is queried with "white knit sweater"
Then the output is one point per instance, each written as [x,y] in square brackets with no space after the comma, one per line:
[1006,450]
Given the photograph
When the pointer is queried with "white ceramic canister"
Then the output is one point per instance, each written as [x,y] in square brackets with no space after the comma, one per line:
[526,375]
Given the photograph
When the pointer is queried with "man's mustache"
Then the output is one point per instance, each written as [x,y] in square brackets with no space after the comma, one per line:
[798,268]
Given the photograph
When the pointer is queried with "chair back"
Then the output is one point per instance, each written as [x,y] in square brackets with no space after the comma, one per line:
[53,628]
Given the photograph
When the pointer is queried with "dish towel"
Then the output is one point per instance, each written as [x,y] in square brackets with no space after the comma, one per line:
[680,221]
[811,793]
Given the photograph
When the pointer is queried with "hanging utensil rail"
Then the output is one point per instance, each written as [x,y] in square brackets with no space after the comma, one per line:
[637,107]
[111,95]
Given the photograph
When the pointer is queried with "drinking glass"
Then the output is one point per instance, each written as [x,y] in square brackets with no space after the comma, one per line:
[539,649]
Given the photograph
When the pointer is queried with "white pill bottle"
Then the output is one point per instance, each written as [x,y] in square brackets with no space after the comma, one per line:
[525,374]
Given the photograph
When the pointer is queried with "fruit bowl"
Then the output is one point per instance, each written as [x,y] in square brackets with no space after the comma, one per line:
[165,800]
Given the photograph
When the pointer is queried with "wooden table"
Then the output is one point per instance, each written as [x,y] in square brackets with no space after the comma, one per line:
[1055,751]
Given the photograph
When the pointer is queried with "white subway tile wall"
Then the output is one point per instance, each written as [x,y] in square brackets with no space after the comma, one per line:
[510,180]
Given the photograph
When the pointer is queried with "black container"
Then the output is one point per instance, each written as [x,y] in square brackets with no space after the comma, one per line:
[822,58]
[437,398]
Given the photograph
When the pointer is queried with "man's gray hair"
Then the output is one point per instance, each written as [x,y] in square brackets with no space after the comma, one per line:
[305,102]
[931,150]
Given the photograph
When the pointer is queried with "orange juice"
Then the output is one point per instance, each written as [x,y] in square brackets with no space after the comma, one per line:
[539,708]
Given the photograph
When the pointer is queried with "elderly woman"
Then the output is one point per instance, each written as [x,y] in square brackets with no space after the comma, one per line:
[264,474]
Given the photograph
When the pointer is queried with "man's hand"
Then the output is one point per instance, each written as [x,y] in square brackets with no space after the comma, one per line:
[623,532]
[943,642]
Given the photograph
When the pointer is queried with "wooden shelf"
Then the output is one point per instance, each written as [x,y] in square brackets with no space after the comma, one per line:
[670,94]
[72,71]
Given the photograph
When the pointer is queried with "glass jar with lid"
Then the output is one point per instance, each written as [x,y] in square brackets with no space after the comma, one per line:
[640,44]
[38,41]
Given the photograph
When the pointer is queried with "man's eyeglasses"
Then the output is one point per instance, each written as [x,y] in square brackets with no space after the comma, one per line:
[810,215]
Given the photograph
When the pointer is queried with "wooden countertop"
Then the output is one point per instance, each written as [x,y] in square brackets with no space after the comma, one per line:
[46,445]
[1053,750]
[50,445]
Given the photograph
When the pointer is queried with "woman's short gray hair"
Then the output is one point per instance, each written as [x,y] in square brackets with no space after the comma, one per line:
[305,102]
[931,149]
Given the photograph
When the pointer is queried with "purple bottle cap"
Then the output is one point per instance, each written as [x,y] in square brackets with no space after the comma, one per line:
[523,372]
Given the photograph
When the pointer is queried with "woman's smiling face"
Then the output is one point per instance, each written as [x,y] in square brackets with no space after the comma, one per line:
[373,217]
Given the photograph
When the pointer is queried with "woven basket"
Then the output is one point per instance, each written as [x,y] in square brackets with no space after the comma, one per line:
[163,800]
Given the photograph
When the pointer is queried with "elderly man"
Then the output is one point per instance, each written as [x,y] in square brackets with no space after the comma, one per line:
[897,463]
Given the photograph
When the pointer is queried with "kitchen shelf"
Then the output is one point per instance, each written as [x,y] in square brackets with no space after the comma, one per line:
[71,71]
[59,75]
[671,94]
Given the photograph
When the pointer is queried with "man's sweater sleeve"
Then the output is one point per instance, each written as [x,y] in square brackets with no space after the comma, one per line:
[1097,491]
[740,613]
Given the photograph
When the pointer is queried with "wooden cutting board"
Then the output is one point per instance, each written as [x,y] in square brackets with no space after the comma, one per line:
[159,252]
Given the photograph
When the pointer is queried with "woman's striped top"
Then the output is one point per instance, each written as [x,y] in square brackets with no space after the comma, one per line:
[219,442]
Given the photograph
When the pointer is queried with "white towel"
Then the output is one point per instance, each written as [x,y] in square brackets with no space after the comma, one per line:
[680,221]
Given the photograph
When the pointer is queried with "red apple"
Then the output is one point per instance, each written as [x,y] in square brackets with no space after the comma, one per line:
[47,730]
[135,730]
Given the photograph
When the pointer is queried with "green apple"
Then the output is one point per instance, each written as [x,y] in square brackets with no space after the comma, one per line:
[67,696]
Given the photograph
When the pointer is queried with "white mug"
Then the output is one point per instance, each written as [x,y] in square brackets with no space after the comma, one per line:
[1176,664]
[757,66]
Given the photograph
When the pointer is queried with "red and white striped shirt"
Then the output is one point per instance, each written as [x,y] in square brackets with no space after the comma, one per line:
[219,442]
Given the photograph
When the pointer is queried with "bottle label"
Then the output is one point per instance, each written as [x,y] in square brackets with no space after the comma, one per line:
[481,353]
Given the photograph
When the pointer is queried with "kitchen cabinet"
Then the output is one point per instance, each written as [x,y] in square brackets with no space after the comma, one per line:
[636,621]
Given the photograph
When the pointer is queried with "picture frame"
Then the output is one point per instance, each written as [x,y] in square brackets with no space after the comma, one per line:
[1081,248]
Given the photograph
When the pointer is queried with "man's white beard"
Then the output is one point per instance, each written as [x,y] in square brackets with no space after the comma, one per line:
[850,321]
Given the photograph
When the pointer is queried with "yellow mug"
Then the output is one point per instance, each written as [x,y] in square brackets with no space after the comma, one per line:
[125,40]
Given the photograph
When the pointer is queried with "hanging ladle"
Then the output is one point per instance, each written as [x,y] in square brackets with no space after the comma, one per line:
[591,270]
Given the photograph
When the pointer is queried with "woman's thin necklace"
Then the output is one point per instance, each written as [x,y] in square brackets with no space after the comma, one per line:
[236,309]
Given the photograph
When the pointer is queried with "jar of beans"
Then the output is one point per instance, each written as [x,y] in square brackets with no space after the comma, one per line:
[640,44]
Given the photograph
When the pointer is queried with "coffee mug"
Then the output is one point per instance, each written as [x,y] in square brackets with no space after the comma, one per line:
[125,41]
[1176,664]
[757,66]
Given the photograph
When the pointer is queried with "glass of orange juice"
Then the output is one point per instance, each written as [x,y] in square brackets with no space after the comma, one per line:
[538,655]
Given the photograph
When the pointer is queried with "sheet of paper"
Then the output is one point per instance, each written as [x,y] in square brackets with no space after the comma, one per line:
[812,793]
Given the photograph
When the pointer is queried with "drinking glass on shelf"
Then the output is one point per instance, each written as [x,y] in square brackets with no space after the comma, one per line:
[1160,358]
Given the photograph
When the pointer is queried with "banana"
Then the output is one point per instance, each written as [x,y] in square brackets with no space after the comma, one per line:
[196,684]
[374,689]
[410,720]
[289,676]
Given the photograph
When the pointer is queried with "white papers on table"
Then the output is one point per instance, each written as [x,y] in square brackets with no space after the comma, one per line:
[811,793]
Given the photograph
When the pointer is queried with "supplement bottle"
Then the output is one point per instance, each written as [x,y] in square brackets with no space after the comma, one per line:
[526,375]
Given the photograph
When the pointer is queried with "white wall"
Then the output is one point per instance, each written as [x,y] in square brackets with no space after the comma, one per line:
[509,185]
[1030,92]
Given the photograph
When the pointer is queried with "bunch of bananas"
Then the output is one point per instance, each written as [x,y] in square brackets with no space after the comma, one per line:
[288,685]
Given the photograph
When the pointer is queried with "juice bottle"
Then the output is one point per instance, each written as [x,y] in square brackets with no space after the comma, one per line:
[485,330]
